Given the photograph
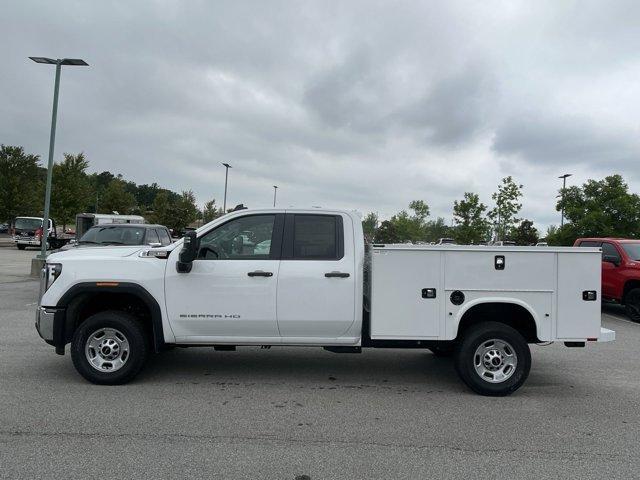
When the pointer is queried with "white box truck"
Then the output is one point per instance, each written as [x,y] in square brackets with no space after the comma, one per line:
[305,277]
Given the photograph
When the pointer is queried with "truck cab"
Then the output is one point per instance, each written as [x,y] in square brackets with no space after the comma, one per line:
[305,277]
[27,231]
[620,271]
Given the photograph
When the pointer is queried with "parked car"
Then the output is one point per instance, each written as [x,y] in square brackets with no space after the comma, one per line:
[123,234]
[304,277]
[4,228]
[620,271]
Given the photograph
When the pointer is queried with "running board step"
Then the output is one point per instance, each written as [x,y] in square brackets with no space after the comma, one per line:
[341,349]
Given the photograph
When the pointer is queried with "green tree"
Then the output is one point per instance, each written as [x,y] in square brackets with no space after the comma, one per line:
[369,226]
[411,227]
[210,211]
[525,233]
[599,208]
[175,211]
[387,233]
[469,216]
[437,229]
[116,198]
[70,188]
[503,215]
[21,185]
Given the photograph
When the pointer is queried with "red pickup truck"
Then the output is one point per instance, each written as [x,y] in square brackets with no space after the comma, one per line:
[620,271]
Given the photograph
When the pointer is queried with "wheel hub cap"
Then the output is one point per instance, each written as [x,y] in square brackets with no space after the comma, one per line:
[495,361]
[107,350]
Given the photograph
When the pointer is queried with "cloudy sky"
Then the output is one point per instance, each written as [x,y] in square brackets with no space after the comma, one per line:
[365,105]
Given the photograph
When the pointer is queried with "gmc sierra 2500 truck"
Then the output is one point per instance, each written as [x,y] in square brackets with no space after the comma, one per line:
[305,277]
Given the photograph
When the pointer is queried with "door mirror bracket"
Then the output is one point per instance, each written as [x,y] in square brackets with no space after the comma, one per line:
[188,253]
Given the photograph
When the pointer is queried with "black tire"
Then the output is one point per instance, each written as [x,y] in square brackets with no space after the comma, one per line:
[465,358]
[21,247]
[632,304]
[134,334]
[443,351]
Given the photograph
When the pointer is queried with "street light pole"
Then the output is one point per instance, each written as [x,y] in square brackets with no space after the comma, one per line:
[275,190]
[52,140]
[564,185]
[226,177]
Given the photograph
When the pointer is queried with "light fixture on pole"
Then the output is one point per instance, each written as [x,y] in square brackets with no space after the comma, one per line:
[226,177]
[75,62]
[275,191]
[564,185]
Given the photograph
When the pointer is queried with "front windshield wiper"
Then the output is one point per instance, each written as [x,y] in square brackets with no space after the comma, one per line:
[113,242]
[89,241]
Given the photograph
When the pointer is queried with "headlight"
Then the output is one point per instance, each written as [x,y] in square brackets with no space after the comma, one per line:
[50,272]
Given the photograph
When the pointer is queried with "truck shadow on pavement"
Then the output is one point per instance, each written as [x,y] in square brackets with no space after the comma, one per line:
[303,366]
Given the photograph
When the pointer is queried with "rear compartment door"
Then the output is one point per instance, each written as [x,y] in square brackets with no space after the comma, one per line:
[406,294]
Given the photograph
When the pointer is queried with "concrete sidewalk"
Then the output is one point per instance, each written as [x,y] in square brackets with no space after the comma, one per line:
[15,265]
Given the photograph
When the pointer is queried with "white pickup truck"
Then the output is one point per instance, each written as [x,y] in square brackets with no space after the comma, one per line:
[305,277]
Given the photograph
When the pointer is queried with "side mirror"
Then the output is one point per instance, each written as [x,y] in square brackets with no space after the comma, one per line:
[188,253]
[611,259]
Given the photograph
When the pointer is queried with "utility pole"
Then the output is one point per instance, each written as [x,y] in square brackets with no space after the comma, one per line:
[275,190]
[564,186]
[77,62]
[226,177]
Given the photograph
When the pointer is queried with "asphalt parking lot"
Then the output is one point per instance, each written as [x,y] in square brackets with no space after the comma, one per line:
[288,412]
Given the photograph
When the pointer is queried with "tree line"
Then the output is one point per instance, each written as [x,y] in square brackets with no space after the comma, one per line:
[597,208]
[74,190]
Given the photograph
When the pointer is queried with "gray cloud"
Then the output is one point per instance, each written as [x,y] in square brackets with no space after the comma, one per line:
[361,104]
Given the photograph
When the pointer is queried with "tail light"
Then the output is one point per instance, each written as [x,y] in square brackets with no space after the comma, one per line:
[39,233]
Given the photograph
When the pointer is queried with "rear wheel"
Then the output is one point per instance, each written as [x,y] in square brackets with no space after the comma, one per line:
[493,359]
[632,304]
[109,348]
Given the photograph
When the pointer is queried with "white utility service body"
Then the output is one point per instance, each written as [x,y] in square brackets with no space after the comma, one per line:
[305,277]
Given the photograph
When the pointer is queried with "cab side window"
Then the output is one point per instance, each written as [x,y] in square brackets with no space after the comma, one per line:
[152,236]
[608,250]
[165,239]
[244,238]
[313,237]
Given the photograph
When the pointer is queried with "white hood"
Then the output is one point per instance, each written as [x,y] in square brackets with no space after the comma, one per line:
[96,253]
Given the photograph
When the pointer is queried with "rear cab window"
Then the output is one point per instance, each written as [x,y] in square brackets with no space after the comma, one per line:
[313,237]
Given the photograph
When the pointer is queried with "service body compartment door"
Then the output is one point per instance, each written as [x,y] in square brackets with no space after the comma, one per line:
[578,272]
[403,305]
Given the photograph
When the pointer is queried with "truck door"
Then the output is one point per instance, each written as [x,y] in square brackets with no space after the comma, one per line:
[316,284]
[612,279]
[231,289]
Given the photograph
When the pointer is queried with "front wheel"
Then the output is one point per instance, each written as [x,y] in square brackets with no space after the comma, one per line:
[493,359]
[632,304]
[109,348]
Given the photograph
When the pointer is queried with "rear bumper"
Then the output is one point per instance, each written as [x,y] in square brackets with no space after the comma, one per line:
[606,335]
[27,241]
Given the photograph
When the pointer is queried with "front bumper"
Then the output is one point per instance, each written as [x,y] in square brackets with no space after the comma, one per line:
[44,323]
[27,241]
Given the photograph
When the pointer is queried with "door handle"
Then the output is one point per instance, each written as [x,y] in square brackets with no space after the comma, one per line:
[260,273]
[336,275]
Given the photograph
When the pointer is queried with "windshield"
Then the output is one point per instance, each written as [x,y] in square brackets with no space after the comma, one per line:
[114,235]
[28,223]
[632,249]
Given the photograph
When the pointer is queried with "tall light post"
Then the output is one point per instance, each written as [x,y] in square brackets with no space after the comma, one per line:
[564,185]
[226,177]
[75,62]
[275,191]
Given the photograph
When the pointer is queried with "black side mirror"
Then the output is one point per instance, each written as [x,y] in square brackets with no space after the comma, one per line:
[611,259]
[188,253]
